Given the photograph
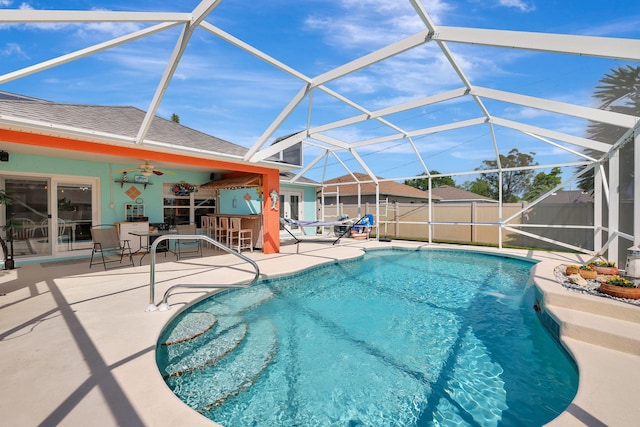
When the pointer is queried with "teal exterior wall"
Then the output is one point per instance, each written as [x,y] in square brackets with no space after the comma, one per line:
[113,197]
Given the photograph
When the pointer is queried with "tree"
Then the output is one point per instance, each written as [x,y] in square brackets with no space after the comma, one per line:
[480,186]
[423,183]
[514,182]
[175,118]
[618,92]
[543,183]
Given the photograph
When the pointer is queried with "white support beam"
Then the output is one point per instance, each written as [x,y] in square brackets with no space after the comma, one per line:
[199,13]
[253,51]
[372,58]
[575,140]
[279,146]
[614,205]
[422,132]
[310,165]
[627,49]
[45,65]
[593,114]
[295,101]
[332,141]
[364,165]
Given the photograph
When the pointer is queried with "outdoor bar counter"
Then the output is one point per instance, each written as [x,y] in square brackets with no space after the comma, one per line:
[253,222]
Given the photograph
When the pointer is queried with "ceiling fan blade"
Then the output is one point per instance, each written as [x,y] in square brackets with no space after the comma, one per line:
[127,170]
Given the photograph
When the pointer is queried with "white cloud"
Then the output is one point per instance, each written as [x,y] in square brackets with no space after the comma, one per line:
[13,49]
[518,4]
[5,3]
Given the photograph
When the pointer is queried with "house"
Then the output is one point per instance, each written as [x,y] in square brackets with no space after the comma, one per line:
[344,190]
[449,194]
[567,197]
[72,166]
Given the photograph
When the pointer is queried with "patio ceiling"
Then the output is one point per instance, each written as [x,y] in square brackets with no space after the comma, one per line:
[359,128]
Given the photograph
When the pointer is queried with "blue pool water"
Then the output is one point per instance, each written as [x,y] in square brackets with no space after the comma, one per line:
[399,338]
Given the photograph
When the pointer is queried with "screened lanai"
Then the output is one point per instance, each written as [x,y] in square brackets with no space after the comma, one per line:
[412,89]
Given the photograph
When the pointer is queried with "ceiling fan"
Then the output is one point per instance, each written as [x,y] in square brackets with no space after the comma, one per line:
[147,169]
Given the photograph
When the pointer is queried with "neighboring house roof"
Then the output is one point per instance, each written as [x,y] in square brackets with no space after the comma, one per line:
[450,194]
[387,188]
[115,120]
[567,197]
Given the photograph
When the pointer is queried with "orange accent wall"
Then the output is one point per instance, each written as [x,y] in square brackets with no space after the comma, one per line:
[270,177]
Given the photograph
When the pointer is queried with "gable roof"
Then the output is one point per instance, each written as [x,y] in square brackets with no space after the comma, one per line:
[446,193]
[387,188]
[112,120]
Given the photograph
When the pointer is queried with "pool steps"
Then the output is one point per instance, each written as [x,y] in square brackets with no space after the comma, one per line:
[219,344]
[600,321]
[208,351]
[232,374]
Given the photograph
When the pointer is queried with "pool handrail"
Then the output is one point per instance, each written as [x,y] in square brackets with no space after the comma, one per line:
[164,306]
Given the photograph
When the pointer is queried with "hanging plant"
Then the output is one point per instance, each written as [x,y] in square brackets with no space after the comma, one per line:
[183,188]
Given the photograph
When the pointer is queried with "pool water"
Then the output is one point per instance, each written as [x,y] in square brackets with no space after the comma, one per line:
[399,338]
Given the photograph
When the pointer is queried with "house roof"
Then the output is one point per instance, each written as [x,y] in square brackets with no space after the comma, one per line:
[367,187]
[122,121]
[447,193]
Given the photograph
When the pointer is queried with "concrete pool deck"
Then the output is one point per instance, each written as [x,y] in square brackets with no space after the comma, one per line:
[77,347]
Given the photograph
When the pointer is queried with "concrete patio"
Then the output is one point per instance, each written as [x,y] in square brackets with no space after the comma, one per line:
[78,347]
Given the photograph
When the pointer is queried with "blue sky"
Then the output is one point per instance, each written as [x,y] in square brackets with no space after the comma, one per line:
[223,91]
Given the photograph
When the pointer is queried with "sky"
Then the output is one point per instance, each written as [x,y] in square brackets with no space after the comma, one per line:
[223,91]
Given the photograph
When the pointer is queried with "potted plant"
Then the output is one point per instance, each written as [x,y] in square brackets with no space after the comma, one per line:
[572,269]
[605,267]
[587,272]
[620,287]
[7,257]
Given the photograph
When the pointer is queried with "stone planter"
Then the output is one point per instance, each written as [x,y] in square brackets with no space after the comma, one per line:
[620,291]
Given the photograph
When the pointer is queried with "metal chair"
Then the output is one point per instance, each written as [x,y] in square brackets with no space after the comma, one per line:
[107,243]
[186,248]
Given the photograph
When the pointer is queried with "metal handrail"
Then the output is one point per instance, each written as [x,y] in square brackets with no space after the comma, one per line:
[164,306]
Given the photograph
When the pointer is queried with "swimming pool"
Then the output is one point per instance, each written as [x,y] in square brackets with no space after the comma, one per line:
[402,338]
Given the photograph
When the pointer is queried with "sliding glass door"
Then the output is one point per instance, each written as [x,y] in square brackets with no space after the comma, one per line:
[49,215]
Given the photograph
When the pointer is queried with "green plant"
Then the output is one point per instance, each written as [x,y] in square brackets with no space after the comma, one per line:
[586,267]
[620,281]
[603,263]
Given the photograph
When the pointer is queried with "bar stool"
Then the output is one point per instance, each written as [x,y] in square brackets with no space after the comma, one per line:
[238,237]
[208,224]
[222,228]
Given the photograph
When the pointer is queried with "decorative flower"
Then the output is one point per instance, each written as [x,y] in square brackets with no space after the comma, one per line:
[603,263]
[620,281]
[183,188]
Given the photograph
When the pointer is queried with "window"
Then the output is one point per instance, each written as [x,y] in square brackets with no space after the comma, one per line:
[189,208]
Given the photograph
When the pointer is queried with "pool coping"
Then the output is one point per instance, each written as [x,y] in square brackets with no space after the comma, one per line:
[84,334]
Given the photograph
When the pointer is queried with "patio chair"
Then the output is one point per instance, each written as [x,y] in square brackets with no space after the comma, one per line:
[63,237]
[186,248]
[107,243]
[23,228]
